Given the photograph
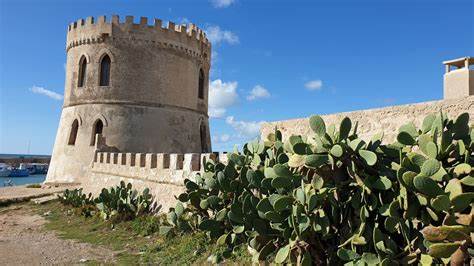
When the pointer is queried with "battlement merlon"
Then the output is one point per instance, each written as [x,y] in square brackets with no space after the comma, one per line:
[188,162]
[97,29]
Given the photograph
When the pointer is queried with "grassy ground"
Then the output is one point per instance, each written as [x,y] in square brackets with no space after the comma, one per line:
[136,242]
[33,186]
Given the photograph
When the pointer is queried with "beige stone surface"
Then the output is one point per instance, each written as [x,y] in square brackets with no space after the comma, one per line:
[22,193]
[163,174]
[151,103]
[458,83]
[164,193]
[373,121]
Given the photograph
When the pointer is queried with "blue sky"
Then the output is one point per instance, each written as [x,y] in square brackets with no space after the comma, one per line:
[272,60]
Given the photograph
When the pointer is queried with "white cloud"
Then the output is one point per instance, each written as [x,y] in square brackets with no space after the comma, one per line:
[222,3]
[248,129]
[258,92]
[222,95]
[214,57]
[221,139]
[225,138]
[215,71]
[215,35]
[51,94]
[314,85]
[216,112]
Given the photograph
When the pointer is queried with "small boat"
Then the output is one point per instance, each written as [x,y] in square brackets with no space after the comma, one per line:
[5,170]
[35,168]
[21,171]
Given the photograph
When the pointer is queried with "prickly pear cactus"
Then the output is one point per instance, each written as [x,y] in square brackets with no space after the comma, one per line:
[124,203]
[436,178]
[332,198]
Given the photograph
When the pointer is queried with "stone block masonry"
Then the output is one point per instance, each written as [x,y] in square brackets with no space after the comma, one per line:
[387,120]
[141,84]
[162,173]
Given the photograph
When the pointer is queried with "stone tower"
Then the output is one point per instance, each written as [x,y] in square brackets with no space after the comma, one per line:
[131,87]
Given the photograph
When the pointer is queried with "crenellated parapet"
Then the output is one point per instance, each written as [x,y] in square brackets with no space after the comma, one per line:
[188,39]
[167,168]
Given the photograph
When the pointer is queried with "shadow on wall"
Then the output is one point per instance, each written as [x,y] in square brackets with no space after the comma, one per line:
[101,144]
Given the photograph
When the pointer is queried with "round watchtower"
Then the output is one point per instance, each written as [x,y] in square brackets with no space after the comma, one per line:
[143,88]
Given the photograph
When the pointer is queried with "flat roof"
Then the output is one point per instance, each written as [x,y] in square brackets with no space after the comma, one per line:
[459,62]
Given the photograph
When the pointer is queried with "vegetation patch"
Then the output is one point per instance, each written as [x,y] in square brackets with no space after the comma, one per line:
[118,203]
[332,198]
[33,186]
[135,241]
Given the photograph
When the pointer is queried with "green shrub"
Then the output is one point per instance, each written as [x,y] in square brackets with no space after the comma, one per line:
[332,198]
[33,186]
[118,203]
[124,203]
[76,198]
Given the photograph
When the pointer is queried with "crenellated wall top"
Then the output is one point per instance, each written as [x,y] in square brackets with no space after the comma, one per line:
[96,30]
[188,162]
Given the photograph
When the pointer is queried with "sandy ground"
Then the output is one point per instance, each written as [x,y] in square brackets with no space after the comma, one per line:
[23,241]
[22,193]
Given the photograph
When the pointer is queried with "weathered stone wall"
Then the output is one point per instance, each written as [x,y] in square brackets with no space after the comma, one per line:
[373,121]
[458,83]
[162,173]
[151,65]
[126,128]
[151,103]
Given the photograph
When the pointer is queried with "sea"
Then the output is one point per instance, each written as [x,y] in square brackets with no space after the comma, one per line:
[17,181]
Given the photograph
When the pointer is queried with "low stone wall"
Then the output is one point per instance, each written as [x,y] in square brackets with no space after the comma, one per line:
[387,120]
[162,173]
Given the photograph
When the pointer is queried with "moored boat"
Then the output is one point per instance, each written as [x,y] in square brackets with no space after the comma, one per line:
[35,168]
[5,170]
[21,171]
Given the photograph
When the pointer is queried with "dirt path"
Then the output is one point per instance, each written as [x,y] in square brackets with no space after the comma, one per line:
[23,241]
[17,194]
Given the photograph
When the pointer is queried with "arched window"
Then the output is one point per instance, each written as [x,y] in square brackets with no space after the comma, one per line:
[203,133]
[82,72]
[201,84]
[73,133]
[96,129]
[104,71]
